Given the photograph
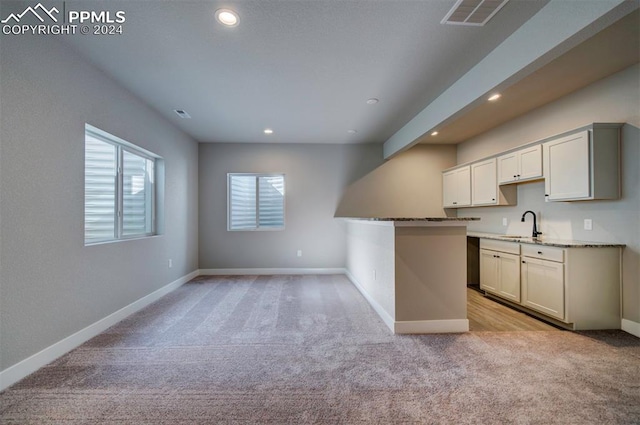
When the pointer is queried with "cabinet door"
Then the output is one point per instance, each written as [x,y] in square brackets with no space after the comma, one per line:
[509,276]
[530,163]
[508,168]
[464,186]
[484,184]
[489,271]
[456,188]
[543,286]
[566,167]
[449,188]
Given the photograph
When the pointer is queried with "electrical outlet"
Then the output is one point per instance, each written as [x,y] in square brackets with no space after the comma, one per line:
[588,224]
[170,263]
[299,253]
[505,221]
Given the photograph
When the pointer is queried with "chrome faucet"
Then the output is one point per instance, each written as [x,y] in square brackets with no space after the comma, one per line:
[535,232]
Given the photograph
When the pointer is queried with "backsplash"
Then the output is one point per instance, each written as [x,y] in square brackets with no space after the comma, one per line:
[557,220]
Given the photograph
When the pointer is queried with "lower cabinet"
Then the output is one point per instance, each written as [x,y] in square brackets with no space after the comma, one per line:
[575,287]
[500,273]
[500,268]
[543,286]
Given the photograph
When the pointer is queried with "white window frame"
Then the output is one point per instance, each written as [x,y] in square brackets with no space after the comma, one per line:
[122,145]
[257,228]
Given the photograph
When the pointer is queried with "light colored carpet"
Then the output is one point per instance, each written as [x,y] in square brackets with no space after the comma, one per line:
[309,349]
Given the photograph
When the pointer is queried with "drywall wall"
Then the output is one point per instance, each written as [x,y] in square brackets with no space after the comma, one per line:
[409,185]
[371,261]
[431,272]
[315,177]
[413,275]
[614,99]
[51,284]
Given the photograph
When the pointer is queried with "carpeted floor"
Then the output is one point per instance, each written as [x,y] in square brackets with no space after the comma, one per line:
[309,349]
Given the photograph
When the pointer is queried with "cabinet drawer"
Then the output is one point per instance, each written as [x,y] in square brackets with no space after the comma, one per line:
[502,246]
[543,252]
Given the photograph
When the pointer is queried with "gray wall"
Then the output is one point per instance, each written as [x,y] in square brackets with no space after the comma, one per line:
[316,176]
[371,246]
[51,285]
[614,99]
[409,185]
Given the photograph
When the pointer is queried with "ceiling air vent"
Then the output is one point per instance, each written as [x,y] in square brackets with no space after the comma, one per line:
[473,12]
[181,113]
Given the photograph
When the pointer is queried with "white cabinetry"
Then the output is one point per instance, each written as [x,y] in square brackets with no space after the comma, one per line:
[583,165]
[484,187]
[580,166]
[500,268]
[521,165]
[543,280]
[575,287]
[456,187]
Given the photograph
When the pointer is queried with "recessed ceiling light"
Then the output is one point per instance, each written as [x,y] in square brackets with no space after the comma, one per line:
[268,131]
[372,101]
[434,133]
[494,97]
[352,131]
[227,17]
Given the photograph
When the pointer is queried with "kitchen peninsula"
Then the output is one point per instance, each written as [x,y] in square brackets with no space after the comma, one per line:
[412,271]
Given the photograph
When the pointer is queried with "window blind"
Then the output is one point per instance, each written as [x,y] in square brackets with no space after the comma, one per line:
[243,202]
[119,189]
[271,201]
[99,190]
[256,202]
[136,194]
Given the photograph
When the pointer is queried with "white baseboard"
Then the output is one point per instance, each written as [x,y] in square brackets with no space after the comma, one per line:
[386,317]
[29,365]
[432,326]
[412,327]
[252,272]
[631,327]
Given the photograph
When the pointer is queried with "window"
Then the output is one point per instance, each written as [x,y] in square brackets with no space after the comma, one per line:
[119,188]
[255,201]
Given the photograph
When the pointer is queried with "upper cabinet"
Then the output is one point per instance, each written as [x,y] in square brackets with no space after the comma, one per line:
[484,188]
[456,187]
[521,165]
[475,185]
[583,166]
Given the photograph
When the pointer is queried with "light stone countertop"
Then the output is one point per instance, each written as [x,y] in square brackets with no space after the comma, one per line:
[562,243]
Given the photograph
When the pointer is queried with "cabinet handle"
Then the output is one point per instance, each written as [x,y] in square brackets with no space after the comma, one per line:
[455,203]
[523,262]
[546,194]
[514,176]
[493,199]
[518,175]
[540,252]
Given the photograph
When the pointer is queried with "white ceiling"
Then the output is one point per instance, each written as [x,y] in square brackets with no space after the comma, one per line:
[302,67]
